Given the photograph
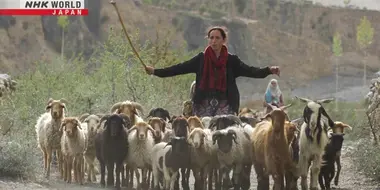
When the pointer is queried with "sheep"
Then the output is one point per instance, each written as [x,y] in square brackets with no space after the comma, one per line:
[159,112]
[247,112]
[313,140]
[141,143]
[48,134]
[270,149]
[233,150]
[73,143]
[328,170]
[167,158]
[180,128]
[339,129]
[223,121]
[91,123]
[130,109]
[7,87]
[201,154]
[111,147]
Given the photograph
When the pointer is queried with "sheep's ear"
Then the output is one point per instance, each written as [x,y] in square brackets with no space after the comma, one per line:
[163,127]
[266,117]
[48,107]
[63,126]
[169,143]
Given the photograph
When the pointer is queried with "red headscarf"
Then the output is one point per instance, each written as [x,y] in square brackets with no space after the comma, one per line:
[211,80]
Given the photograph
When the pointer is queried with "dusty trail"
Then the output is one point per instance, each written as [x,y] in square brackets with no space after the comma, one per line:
[350,179]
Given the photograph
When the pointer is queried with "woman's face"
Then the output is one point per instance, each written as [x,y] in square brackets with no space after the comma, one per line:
[215,40]
[273,84]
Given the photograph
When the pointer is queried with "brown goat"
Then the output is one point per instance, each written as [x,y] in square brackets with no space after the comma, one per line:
[339,129]
[271,150]
[159,126]
[247,112]
[194,122]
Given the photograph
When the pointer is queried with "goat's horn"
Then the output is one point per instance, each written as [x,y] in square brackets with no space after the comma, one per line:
[212,122]
[286,107]
[105,117]
[326,100]
[296,120]
[305,100]
[83,117]
[116,106]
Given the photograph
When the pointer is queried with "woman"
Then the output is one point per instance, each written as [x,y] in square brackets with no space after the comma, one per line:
[273,95]
[216,70]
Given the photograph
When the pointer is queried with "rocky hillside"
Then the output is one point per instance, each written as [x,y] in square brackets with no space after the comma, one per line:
[296,37]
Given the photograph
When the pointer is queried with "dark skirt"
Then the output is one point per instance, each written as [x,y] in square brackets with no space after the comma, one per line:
[205,109]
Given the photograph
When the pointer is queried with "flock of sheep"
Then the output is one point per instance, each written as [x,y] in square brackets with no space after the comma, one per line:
[211,147]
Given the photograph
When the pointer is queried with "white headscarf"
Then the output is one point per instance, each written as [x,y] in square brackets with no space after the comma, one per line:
[274,90]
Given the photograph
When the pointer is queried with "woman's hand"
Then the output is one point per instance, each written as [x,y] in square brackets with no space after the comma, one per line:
[275,70]
[149,70]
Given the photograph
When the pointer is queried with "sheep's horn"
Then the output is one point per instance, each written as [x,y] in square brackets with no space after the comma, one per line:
[63,100]
[213,121]
[105,117]
[131,129]
[304,100]
[139,107]
[296,120]
[150,112]
[100,115]
[326,100]
[215,136]
[116,106]
[235,119]
[14,82]
[83,117]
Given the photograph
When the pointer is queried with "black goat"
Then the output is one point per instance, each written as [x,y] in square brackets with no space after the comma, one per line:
[159,112]
[111,146]
[328,169]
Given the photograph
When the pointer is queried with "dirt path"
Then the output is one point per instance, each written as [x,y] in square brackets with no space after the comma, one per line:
[350,179]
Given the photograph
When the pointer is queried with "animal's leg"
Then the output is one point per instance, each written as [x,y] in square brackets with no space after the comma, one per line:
[119,167]
[173,179]
[236,176]
[144,173]
[69,168]
[262,178]
[127,176]
[59,159]
[339,167]
[138,179]
[110,172]
[75,167]
[245,177]
[314,172]
[303,170]
[102,173]
[123,177]
[155,176]
[278,182]
[167,178]
[49,152]
[185,173]
[320,180]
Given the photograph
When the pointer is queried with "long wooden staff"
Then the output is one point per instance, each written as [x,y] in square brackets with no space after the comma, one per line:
[125,32]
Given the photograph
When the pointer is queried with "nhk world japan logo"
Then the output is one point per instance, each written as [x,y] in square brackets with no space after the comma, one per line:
[43,7]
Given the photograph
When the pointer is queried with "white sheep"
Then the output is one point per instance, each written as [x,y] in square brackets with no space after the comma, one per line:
[234,151]
[141,142]
[206,121]
[203,154]
[48,134]
[313,140]
[73,143]
[90,124]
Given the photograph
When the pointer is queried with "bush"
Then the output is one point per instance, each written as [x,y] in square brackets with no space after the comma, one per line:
[112,74]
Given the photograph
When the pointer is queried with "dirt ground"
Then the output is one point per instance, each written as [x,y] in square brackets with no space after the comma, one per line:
[350,179]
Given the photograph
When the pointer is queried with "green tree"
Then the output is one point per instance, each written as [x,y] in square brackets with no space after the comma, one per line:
[364,37]
[337,51]
[63,22]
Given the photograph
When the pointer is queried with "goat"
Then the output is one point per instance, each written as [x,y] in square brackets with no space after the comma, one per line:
[339,129]
[194,122]
[313,140]
[159,112]
[111,146]
[159,126]
[328,169]
[270,150]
